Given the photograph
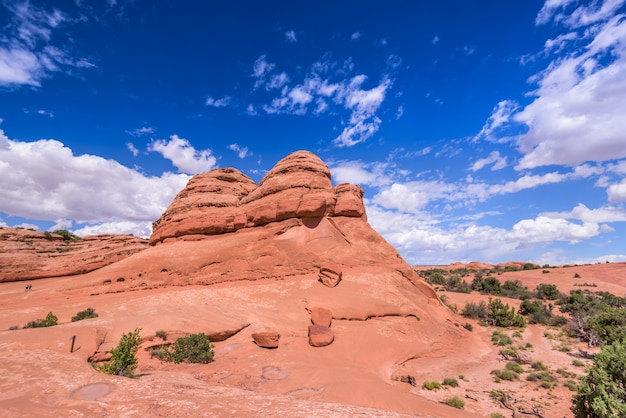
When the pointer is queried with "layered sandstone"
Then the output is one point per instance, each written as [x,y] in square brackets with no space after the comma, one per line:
[226,200]
[27,254]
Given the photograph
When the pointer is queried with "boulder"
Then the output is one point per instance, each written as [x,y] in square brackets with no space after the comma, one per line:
[267,339]
[320,336]
[321,316]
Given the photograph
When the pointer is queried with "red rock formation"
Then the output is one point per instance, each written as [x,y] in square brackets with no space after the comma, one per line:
[266,339]
[321,316]
[320,336]
[27,254]
[225,200]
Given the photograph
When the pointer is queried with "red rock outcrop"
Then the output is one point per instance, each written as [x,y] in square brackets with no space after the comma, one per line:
[320,336]
[226,200]
[266,339]
[28,254]
[321,316]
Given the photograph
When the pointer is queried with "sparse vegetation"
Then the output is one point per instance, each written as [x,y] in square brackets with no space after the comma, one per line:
[505,374]
[455,402]
[14,327]
[450,381]
[124,361]
[432,385]
[67,235]
[514,367]
[86,314]
[49,321]
[603,390]
[161,334]
[578,363]
[500,338]
[194,348]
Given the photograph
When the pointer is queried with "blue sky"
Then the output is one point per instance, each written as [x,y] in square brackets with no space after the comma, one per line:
[487,131]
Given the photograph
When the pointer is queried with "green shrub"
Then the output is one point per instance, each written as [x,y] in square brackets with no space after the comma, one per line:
[571,385]
[514,367]
[161,334]
[505,374]
[194,348]
[578,363]
[86,314]
[455,402]
[468,326]
[13,327]
[123,357]
[548,291]
[602,391]
[496,415]
[502,315]
[431,385]
[500,338]
[450,381]
[49,321]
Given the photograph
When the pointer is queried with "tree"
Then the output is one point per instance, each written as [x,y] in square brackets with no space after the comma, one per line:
[502,315]
[123,357]
[602,391]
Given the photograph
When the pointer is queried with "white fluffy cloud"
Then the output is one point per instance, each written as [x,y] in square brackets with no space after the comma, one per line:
[578,111]
[494,158]
[242,152]
[44,180]
[183,155]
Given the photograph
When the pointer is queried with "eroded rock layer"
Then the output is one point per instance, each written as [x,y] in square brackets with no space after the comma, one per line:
[226,200]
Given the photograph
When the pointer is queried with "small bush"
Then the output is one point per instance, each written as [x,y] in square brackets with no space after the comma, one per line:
[571,385]
[475,311]
[538,365]
[578,363]
[450,381]
[468,326]
[577,276]
[496,415]
[505,374]
[161,334]
[124,361]
[86,314]
[514,367]
[455,402]
[500,338]
[194,348]
[50,320]
[431,385]
[13,327]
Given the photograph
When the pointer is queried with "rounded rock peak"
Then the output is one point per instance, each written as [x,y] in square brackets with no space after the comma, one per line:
[304,162]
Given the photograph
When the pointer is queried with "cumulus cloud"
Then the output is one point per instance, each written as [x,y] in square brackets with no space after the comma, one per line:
[139,229]
[358,172]
[44,180]
[577,111]
[425,240]
[26,55]
[183,155]
[617,192]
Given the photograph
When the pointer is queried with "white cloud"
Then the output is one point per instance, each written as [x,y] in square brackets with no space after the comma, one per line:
[357,172]
[494,158]
[183,155]
[26,56]
[550,9]
[584,214]
[290,36]
[45,113]
[578,107]
[435,40]
[317,93]
[223,102]
[617,192]
[144,130]
[355,36]
[139,229]
[131,147]
[242,152]
[44,180]
[500,117]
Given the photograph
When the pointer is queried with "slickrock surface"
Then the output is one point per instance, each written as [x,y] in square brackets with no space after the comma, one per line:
[28,255]
[230,259]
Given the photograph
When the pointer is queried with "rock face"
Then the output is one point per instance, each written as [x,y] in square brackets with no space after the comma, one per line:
[321,316]
[27,254]
[226,200]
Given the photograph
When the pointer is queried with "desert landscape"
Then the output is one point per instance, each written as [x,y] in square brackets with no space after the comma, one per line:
[310,312]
